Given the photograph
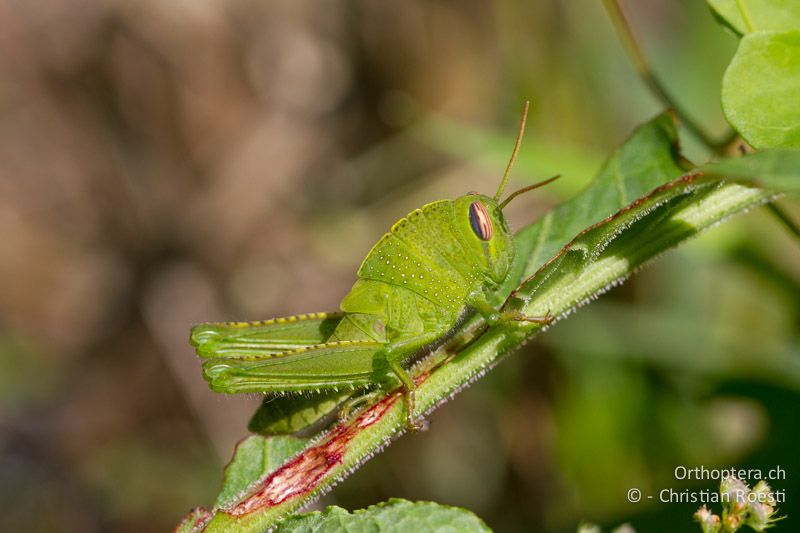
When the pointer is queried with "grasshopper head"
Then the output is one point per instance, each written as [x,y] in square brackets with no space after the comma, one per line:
[484,230]
[486,221]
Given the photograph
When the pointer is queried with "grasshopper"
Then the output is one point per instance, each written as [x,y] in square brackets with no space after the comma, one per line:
[433,267]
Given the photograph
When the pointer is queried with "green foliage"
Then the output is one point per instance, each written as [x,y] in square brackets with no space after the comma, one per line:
[648,159]
[394,516]
[607,253]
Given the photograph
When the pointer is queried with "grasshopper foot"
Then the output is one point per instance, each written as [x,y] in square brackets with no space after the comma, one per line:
[352,405]
[412,423]
[344,414]
[516,316]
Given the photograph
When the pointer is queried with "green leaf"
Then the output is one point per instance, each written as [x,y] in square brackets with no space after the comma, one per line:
[761,89]
[255,457]
[393,516]
[777,169]
[649,158]
[606,254]
[746,16]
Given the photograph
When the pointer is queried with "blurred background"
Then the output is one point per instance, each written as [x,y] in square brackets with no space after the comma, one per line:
[168,163]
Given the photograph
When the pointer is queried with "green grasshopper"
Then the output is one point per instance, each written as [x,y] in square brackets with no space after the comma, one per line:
[436,265]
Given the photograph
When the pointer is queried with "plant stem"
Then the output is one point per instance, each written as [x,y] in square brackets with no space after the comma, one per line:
[643,67]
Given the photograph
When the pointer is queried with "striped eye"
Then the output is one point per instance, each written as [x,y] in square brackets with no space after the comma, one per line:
[480,221]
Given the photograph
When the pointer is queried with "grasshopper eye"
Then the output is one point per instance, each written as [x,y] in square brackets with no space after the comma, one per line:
[480,221]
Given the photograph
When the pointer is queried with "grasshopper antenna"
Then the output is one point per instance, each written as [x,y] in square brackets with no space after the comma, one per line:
[526,189]
[514,153]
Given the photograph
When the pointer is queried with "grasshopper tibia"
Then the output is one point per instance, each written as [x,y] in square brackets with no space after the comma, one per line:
[410,387]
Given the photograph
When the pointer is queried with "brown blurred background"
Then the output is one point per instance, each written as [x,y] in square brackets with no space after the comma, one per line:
[167,163]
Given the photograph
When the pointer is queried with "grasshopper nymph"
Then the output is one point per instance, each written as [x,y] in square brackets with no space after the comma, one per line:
[434,265]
